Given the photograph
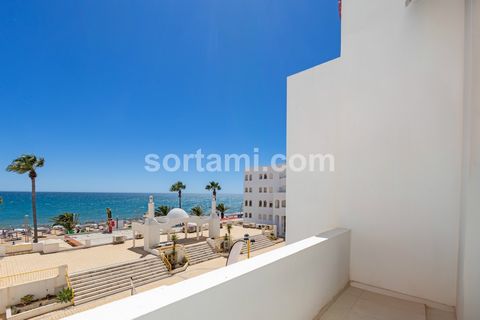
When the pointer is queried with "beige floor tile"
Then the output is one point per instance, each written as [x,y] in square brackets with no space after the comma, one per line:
[354,291]
[357,304]
[435,314]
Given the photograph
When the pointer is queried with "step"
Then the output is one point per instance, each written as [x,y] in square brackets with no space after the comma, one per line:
[89,273]
[137,284]
[198,253]
[112,267]
[94,283]
[204,257]
[195,254]
[86,292]
[109,286]
[103,275]
[261,242]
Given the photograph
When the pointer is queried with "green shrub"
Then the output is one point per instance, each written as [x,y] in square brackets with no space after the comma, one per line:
[27,299]
[65,295]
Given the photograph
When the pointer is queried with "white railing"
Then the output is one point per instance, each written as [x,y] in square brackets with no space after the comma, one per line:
[292,282]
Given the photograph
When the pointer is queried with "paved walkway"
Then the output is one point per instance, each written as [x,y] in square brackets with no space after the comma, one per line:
[94,257]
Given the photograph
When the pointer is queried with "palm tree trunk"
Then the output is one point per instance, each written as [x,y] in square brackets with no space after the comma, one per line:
[179,198]
[34,212]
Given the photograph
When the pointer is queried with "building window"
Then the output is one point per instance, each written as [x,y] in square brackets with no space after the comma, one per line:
[277,204]
[284,203]
[250,203]
[265,176]
[260,203]
[265,203]
[270,217]
[246,177]
[250,177]
[265,189]
[260,176]
[270,204]
[246,203]
[246,189]
[250,190]
[260,190]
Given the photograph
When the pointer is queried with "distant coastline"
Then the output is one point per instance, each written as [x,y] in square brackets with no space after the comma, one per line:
[91,205]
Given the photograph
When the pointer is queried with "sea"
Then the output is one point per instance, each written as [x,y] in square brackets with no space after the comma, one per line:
[17,207]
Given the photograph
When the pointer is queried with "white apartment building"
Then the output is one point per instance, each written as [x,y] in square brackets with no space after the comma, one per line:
[400,110]
[264,200]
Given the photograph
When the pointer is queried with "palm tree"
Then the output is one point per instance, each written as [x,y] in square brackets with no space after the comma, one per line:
[229,232]
[174,250]
[162,211]
[213,186]
[197,211]
[178,187]
[67,220]
[222,209]
[29,163]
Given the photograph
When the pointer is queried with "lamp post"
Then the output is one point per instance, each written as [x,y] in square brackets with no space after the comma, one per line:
[250,242]
[25,226]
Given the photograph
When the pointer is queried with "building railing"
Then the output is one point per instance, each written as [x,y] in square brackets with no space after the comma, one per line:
[69,285]
[165,261]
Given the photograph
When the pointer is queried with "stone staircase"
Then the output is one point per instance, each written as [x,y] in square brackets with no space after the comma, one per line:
[200,252]
[98,283]
[261,242]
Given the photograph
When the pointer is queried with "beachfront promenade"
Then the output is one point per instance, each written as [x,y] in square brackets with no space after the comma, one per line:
[105,255]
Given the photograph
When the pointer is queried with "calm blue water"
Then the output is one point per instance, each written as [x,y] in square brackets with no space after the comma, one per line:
[91,206]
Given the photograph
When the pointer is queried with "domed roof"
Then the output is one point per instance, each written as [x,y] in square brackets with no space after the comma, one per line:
[177,213]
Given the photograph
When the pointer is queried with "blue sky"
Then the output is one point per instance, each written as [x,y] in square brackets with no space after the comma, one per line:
[93,86]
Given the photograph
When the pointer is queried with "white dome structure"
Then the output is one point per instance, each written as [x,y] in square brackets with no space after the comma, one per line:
[177,213]
[152,226]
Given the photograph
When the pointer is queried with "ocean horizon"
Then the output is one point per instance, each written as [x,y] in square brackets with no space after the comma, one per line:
[91,205]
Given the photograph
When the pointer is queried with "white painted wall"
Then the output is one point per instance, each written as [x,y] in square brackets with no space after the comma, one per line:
[390,110]
[468,307]
[275,185]
[301,278]
[12,295]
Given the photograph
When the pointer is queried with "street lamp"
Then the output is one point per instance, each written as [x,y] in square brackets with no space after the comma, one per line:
[250,242]
[25,226]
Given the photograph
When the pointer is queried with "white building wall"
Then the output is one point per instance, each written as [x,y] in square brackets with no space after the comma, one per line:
[273,189]
[390,110]
[468,307]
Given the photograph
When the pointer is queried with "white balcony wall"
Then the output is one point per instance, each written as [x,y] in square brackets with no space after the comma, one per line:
[468,306]
[390,110]
[292,282]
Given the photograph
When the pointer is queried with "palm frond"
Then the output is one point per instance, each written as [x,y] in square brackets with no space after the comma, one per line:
[26,163]
[197,211]
[177,186]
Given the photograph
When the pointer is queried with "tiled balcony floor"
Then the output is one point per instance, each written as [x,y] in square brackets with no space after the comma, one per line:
[357,304]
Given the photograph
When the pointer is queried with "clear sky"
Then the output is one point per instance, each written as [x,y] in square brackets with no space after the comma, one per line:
[93,86]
